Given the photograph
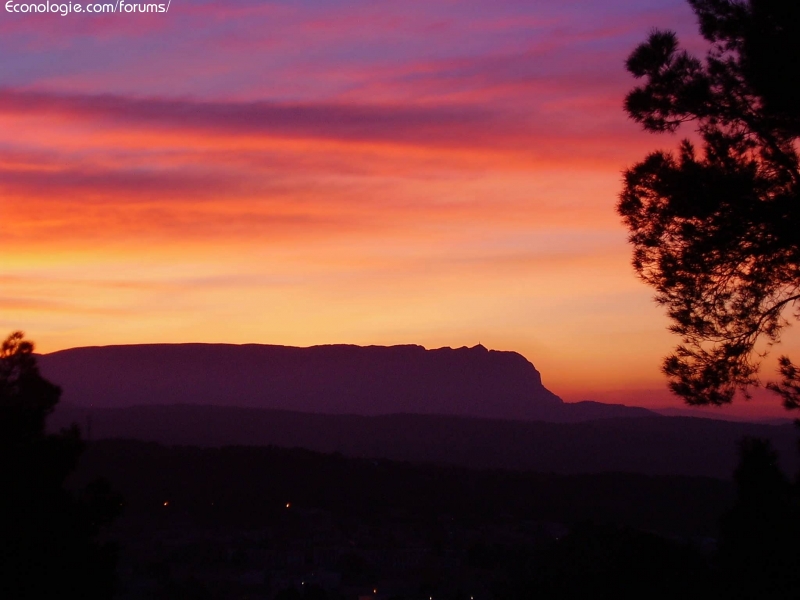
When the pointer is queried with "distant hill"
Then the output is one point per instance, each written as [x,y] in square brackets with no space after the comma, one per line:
[693,411]
[337,379]
[649,445]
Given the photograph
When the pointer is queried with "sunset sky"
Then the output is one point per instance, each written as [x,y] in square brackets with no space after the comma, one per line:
[440,173]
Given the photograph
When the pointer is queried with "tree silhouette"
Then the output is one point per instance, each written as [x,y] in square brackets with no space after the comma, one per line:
[47,535]
[758,549]
[717,232]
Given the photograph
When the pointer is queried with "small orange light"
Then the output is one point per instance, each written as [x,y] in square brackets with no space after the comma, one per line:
[288,504]
[166,503]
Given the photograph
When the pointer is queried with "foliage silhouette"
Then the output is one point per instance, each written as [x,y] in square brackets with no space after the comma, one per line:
[717,232]
[47,546]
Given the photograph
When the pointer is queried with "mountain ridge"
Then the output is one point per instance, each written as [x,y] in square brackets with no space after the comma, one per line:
[334,378]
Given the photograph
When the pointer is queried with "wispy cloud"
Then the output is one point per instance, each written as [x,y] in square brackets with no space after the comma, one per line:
[318,171]
[430,125]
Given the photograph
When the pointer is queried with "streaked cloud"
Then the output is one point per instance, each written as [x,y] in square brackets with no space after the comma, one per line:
[313,172]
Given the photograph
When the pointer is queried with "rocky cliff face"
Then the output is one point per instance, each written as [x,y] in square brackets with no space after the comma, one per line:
[337,379]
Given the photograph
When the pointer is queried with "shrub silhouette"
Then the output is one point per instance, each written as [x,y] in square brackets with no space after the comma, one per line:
[47,534]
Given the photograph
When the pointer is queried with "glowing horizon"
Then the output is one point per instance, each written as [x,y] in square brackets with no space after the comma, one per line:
[308,173]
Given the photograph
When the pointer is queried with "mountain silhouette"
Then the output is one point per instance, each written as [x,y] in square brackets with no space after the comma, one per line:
[334,379]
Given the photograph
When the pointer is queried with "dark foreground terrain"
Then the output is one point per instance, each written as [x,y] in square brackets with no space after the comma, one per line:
[264,522]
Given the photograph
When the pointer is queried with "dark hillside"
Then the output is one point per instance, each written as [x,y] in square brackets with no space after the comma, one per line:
[652,445]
